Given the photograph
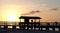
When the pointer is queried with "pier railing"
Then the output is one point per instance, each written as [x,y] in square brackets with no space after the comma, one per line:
[54,26]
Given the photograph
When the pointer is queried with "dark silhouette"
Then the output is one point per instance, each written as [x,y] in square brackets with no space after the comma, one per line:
[30,24]
[14,27]
[33,24]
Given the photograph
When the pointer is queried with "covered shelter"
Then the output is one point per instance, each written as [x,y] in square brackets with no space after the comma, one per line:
[29,19]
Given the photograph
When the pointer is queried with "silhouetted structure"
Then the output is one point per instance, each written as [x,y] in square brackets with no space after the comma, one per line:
[27,18]
[32,23]
[5,26]
[14,27]
[29,22]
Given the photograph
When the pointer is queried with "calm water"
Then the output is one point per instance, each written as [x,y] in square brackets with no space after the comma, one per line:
[25,31]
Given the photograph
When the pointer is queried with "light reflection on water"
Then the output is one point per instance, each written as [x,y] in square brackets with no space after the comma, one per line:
[9,23]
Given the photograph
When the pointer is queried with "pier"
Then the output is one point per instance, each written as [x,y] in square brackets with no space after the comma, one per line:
[34,26]
[33,23]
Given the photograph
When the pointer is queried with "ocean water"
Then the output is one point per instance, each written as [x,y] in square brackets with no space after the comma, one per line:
[25,31]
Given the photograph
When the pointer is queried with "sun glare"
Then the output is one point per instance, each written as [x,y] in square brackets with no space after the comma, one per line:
[11,18]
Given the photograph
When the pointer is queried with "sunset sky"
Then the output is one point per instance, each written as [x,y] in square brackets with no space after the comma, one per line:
[11,10]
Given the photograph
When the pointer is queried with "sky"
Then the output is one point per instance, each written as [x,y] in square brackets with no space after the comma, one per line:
[11,10]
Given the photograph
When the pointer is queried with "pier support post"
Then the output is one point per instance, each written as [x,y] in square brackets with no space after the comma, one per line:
[59,28]
[53,29]
[5,27]
[14,27]
[47,28]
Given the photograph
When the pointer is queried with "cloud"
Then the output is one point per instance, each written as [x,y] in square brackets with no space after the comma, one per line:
[54,9]
[32,12]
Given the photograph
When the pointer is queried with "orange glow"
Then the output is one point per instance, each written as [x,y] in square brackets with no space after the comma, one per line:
[11,13]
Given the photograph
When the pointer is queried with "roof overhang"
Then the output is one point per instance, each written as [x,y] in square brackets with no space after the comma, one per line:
[29,17]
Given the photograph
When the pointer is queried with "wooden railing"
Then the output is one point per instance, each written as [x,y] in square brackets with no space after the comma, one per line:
[34,26]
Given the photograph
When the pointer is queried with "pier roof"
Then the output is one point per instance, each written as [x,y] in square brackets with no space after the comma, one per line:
[29,17]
